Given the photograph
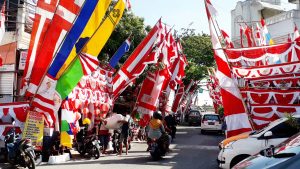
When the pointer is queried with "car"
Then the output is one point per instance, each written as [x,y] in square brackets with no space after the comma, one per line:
[274,157]
[211,122]
[194,117]
[248,144]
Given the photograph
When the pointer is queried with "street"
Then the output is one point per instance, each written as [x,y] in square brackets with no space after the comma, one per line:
[190,150]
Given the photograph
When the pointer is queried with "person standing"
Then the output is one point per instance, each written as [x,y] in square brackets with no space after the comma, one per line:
[125,129]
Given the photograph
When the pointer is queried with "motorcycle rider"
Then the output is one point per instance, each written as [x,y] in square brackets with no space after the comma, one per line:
[171,123]
[157,131]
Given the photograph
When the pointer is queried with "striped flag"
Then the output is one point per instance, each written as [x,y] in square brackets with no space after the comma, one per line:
[62,22]
[2,22]
[228,41]
[178,98]
[85,25]
[137,61]
[43,17]
[235,111]
[120,52]
[296,33]
[71,76]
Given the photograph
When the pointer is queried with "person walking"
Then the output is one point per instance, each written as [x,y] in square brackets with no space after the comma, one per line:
[125,129]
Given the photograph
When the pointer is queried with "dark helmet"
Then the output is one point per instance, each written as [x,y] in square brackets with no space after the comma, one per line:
[157,115]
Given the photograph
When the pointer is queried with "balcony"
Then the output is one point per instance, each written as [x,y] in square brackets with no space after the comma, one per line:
[283,16]
[294,1]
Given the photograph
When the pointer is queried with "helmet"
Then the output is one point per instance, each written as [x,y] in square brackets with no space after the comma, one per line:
[86,121]
[157,115]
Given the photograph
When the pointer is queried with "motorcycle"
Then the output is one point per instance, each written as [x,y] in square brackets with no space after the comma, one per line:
[89,145]
[159,147]
[19,151]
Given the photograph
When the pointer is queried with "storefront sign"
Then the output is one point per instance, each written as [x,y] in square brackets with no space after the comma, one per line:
[22,62]
[34,128]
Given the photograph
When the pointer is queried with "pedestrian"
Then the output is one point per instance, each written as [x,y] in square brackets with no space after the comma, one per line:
[104,136]
[124,133]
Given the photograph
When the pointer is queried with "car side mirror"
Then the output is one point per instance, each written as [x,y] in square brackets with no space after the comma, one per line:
[268,135]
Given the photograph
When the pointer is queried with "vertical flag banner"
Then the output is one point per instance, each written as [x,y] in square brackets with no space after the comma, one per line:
[137,61]
[80,65]
[120,52]
[296,33]
[234,109]
[2,22]
[62,22]
[84,27]
[266,34]
[228,41]
[43,17]
[178,98]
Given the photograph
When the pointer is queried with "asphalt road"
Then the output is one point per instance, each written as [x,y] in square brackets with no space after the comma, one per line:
[190,150]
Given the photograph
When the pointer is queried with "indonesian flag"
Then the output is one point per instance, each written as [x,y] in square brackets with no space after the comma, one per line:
[258,35]
[248,33]
[296,33]
[178,98]
[242,30]
[228,41]
[138,60]
[234,110]
[2,22]
[43,16]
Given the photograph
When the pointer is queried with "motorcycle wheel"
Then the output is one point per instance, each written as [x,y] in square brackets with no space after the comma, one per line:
[96,152]
[155,154]
[30,163]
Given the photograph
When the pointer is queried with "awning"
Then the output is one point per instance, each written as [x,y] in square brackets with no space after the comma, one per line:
[270,6]
[8,53]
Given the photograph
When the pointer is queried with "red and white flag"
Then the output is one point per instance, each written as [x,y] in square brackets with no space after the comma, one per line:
[258,35]
[178,98]
[296,33]
[138,60]
[43,16]
[234,109]
[228,41]
[2,22]
[62,22]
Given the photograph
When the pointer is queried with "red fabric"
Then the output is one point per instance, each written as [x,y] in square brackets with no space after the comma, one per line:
[286,109]
[21,113]
[254,53]
[231,104]
[259,98]
[237,132]
[135,64]
[284,98]
[262,110]
[57,26]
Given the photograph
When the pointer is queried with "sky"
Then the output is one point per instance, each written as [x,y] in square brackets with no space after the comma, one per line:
[181,14]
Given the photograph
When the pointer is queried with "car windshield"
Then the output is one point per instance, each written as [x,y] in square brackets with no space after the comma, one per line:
[194,113]
[211,117]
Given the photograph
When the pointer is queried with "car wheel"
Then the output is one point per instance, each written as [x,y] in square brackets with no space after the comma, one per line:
[238,159]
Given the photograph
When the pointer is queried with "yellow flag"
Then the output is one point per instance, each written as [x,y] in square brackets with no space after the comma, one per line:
[90,28]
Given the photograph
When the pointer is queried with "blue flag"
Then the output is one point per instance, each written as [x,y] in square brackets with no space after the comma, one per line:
[120,52]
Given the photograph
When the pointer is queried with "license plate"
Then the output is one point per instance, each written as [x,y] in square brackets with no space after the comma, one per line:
[211,123]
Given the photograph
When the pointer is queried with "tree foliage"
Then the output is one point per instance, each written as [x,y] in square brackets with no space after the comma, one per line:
[128,25]
[198,49]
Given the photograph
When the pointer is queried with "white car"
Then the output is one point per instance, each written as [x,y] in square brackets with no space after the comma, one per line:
[210,122]
[249,144]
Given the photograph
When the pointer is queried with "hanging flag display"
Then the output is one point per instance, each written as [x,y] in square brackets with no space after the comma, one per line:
[235,111]
[137,61]
[65,14]
[42,20]
[120,52]
[85,25]
[178,97]
[90,51]
[267,36]
[2,22]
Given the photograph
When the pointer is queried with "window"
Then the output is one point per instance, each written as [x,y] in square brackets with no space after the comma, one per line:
[211,117]
[283,130]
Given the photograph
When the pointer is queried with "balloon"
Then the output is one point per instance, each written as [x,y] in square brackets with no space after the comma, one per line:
[112,122]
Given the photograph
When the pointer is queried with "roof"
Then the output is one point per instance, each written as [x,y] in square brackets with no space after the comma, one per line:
[271,6]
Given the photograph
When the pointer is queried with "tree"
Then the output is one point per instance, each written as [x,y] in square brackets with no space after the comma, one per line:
[198,49]
[128,25]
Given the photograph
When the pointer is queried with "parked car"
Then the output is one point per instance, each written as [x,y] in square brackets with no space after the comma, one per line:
[211,122]
[194,117]
[249,144]
[274,156]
